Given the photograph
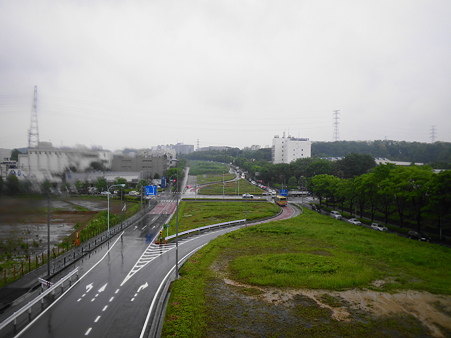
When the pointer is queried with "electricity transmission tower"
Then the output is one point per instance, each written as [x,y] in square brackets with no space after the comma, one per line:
[433,134]
[336,124]
[33,132]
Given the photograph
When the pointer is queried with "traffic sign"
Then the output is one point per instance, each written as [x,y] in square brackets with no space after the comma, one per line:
[283,192]
[151,190]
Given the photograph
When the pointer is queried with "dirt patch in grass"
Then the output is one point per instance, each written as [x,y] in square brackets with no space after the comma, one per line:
[245,310]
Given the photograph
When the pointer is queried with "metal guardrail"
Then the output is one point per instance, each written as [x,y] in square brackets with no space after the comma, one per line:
[207,227]
[13,317]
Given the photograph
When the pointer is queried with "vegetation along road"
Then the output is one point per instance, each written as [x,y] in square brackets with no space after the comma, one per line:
[311,276]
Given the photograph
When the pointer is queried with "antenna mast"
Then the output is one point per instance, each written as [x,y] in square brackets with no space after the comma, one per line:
[33,132]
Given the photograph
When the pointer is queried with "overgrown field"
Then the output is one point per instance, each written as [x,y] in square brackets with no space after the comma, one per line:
[194,214]
[233,286]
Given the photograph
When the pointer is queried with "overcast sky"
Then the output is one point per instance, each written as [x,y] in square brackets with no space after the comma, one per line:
[137,74]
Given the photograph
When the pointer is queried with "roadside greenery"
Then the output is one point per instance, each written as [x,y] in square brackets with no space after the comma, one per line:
[238,188]
[194,214]
[205,168]
[310,251]
[203,179]
[409,196]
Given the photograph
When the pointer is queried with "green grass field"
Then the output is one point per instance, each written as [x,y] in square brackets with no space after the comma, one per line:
[194,214]
[231,188]
[310,251]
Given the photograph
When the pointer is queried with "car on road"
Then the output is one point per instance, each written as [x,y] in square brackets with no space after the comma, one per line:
[378,227]
[354,221]
[335,214]
[105,193]
[246,195]
[419,236]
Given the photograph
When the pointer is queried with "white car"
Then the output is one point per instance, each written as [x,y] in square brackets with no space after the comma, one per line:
[335,214]
[378,227]
[354,221]
[246,195]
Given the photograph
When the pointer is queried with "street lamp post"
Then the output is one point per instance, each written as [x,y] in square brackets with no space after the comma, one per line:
[176,228]
[108,214]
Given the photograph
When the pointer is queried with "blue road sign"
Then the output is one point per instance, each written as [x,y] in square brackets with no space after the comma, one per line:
[283,192]
[151,190]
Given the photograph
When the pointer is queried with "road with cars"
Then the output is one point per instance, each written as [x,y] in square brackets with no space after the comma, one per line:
[118,284]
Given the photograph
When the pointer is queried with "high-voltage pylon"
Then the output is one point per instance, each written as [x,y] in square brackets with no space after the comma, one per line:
[33,132]
[433,134]
[336,124]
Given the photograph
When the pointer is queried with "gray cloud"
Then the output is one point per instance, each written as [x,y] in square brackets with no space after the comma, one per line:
[224,72]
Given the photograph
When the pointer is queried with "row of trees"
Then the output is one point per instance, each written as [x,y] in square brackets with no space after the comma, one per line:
[297,174]
[405,195]
[437,154]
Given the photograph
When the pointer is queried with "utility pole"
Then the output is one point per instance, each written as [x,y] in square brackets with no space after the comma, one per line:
[48,234]
[336,123]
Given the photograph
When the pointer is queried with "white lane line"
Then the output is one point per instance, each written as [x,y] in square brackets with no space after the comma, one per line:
[111,299]
[70,288]
[106,306]
[97,319]
[116,291]
[89,330]
[132,299]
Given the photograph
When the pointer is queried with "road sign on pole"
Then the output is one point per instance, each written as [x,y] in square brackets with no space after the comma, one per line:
[283,192]
[151,190]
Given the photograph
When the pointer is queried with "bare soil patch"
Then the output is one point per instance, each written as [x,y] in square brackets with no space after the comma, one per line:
[248,310]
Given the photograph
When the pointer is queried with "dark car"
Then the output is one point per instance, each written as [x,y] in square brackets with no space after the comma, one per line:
[419,236]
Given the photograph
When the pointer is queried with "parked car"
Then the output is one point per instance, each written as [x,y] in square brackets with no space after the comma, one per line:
[335,214]
[246,195]
[354,221]
[378,227]
[105,193]
[419,236]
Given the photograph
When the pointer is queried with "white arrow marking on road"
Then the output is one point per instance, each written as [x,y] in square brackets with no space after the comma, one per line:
[89,287]
[103,288]
[143,287]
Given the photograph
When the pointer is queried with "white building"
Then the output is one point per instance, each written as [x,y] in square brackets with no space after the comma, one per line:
[48,162]
[289,149]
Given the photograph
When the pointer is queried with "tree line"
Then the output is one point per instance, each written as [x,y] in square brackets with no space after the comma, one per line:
[408,196]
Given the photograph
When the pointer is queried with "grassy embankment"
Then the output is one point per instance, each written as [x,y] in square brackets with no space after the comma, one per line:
[310,251]
[231,188]
[194,214]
